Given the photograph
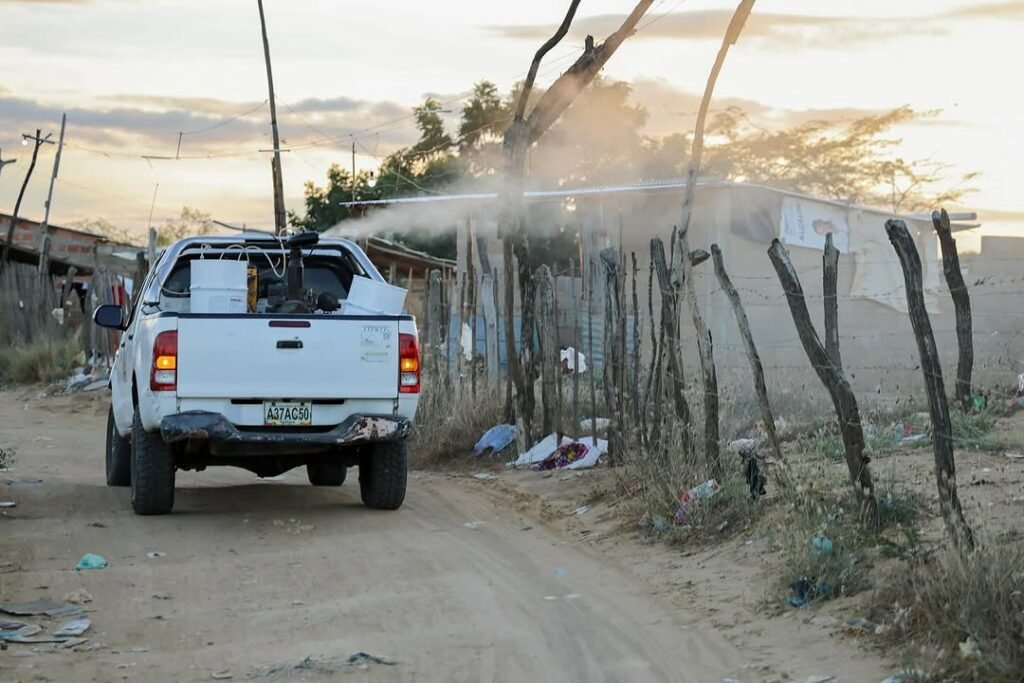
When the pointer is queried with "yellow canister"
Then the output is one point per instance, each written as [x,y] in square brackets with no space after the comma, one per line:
[253,281]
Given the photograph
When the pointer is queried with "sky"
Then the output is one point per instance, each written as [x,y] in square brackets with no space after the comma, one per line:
[132,75]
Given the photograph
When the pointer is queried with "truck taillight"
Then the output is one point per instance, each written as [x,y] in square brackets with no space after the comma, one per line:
[408,364]
[164,375]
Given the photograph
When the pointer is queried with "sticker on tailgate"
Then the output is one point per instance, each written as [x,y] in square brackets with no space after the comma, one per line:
[375,343]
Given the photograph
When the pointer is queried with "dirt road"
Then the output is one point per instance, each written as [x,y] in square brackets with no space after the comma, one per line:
[256,576]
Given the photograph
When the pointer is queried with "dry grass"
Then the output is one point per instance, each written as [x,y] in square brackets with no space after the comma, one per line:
[449,423]
[44,360]
[962,617]
[661,473]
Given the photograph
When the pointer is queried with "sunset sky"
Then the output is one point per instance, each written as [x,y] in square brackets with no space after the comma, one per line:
[131,75]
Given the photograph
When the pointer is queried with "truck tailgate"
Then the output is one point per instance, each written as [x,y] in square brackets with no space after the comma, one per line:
[256,357]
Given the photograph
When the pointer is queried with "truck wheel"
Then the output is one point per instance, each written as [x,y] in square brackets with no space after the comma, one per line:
[326,473]
[119,455]
[382,475]
[152,474]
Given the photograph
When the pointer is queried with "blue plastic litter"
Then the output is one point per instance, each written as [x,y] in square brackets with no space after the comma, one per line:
[91,561]
[822,545]
[496,439]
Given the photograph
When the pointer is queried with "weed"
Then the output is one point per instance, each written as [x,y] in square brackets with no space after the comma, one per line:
[966,611]
[663,472]
[973,430]
[7,457]
[448,424]
[43,360]
[827,547]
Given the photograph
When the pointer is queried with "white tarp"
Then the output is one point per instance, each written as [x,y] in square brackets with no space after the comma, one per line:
[877,274]
[805,223]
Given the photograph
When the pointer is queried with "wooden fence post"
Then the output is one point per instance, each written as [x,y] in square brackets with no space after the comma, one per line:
[634,379]
[435,323]
[683,264]
[751,348]
[942,429]
[576,350]
[961,304]
[613,360]
[857,461]
[490,327]
[545,316]
[670,344]
[829,284]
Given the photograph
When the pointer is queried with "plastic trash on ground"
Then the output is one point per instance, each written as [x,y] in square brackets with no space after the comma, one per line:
[690,500]
[91,561]
[496,439]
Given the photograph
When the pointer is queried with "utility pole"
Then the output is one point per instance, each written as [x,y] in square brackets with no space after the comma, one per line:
[353,170]
[44,229]
[4,163]
[38,140]
[275,164]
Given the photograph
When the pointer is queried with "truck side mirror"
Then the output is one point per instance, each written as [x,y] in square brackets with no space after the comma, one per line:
[109,315]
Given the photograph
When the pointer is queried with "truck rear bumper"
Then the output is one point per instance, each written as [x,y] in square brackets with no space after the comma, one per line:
[223,437]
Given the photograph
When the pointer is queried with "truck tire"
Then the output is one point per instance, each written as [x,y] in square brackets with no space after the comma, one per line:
[152,471]
[119,455]
[326,473]
[382,475]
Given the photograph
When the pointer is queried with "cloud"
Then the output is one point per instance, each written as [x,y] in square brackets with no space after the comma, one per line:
[45,2]
[993,10]
[672,110]
[782,30]
[138,125]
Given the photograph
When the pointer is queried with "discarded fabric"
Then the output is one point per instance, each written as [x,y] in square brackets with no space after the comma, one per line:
[43,606]
[572,359]
[804,590]
[541,450]
[563,456]
[756,480]
[19,634]
[362,660]
[73,628]
[91,561]
[496,439]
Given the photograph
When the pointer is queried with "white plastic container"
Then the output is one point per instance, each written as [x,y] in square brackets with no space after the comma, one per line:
[218,286]
[369,297]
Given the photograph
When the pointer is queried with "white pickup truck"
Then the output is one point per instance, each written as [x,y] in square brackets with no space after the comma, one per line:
[278,375]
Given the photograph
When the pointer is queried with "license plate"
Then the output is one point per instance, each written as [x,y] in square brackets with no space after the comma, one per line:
[287,414]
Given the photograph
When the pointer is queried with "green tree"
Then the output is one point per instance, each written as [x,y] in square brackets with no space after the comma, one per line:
[324,207]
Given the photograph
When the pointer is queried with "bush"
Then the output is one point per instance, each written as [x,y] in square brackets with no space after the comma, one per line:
[966,613]
[45,360]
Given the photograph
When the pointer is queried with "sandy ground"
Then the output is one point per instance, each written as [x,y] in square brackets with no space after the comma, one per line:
[471,580]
